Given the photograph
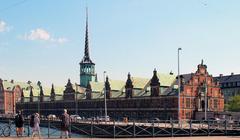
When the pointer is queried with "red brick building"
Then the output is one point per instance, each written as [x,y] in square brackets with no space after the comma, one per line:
[156,99]
[9,95]
[199,91]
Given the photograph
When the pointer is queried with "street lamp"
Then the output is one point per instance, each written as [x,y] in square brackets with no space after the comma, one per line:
[38,103]
[76,99]
[205,98]
[105,101]
[179,90]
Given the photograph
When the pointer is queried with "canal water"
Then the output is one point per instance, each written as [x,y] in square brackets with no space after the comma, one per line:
[45,132]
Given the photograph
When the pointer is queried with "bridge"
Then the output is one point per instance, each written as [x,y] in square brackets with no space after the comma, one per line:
[134,129]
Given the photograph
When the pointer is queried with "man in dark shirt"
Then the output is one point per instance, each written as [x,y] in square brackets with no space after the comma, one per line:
[65,123]
[19,123]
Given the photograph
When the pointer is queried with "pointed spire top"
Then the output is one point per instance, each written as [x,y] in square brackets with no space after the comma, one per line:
[86,51]
[155,80]
[52,90]
[202,62]
[69,88]
[129,75]
[86,58]
[155,71]
[129,82]
[86,15]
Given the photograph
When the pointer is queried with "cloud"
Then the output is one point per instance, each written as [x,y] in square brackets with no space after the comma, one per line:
[3,26]
[43,35]
[38,34]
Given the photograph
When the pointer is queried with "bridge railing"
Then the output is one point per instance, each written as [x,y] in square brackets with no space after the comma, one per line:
[51,128]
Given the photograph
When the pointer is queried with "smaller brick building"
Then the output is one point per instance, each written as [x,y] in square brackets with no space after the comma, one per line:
[9,95]
[199,91]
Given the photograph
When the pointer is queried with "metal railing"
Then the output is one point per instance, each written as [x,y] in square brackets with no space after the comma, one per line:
[50,128]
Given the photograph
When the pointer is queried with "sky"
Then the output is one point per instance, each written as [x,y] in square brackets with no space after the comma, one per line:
[43,40]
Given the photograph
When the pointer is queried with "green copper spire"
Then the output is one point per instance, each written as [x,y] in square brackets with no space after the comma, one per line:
[87,67]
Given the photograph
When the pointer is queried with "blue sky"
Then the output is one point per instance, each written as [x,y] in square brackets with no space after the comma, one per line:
[44,39]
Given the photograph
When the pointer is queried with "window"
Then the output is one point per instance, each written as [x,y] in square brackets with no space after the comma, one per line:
[215,103]
[188,115]
[238,83]
[188,105]
[225,85]
[234,84]
[183,105]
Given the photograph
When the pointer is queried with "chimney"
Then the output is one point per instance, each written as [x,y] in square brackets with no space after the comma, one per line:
[220,75]
[232,73]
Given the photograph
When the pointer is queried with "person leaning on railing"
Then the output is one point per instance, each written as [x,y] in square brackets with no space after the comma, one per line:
[19,121]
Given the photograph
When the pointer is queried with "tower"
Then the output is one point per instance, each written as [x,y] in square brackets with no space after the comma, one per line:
[129,87]
[87,67]
[155,85]
[107,93]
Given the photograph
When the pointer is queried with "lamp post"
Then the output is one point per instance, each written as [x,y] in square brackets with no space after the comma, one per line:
[76,99]
[205,98]
[105,100]
[38,103]
[76,104]
[179,90]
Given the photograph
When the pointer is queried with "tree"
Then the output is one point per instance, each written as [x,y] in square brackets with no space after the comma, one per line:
[234,104]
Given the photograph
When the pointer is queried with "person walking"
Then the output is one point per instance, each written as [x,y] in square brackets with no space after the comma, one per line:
[65,124]
[36,128]
[19,121]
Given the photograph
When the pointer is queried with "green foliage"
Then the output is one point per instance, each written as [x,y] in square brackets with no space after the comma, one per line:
[226,107]
[234,104]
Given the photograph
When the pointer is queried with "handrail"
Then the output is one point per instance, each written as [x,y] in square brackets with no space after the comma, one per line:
[92,128]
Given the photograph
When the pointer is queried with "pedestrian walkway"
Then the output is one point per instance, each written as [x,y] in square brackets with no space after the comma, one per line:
[159,138]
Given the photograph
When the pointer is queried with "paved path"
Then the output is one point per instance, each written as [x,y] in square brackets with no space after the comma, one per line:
[159,138]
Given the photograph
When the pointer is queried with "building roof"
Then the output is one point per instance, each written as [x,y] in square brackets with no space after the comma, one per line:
[97,86]
[117,85]
[228,78]
[166,79]
[8,85]
[141,86]
[139,83]
[187,77]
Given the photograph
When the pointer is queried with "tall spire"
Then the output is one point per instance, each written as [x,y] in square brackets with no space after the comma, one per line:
[86,58]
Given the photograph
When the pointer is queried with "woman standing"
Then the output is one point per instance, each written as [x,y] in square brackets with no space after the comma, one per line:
[65,123]
[36,128]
